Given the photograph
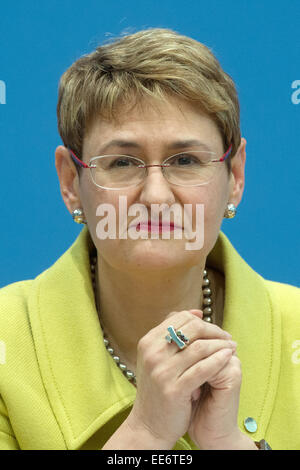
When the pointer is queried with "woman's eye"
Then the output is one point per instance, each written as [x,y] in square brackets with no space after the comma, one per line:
[122,162]
[186,160]
[193,159]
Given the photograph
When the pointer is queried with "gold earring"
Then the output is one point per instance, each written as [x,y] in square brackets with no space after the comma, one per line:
[230,212]
[78,216]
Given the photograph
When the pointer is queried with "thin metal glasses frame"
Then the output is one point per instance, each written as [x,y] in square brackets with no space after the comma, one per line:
[90,166]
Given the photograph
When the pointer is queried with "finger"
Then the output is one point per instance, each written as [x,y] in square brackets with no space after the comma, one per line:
[181,319]
[228,377]
[198,313]
[202,371]
[197,351]
[189,324]
[196,328]
[196,394]
[225,387]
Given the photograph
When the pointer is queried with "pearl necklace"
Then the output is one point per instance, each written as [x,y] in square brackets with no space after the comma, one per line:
[206,308]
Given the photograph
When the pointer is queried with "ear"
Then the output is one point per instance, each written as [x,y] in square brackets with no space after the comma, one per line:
[237,177]
[68,178]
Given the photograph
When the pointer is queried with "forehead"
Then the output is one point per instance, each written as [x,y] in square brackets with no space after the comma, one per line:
[154,125]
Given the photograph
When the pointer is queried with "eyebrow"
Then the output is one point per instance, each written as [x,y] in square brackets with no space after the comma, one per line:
[124,144]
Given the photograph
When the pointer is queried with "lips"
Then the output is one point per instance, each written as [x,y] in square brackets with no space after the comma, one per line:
[155,227]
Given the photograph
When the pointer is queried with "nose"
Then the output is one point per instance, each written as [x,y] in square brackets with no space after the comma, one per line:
[156,189]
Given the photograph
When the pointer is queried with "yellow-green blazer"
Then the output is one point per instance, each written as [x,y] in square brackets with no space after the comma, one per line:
[60,388]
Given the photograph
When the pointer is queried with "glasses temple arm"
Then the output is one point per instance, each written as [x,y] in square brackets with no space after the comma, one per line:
[77,160]
[226,154]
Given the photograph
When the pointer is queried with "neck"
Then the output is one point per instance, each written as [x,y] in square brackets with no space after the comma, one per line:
[132,303]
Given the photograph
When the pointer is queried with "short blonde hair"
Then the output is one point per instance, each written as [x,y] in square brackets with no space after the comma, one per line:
[155,63]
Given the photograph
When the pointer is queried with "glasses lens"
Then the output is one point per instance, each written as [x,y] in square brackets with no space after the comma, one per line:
[190,168]
[117,171]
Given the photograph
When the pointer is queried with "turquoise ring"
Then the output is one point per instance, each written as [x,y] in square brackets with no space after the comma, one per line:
[177,336]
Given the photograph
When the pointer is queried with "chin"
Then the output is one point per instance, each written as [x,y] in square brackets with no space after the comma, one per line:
[143,255]
[159,256]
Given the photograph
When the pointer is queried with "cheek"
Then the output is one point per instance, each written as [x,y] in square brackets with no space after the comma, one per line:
[208,209]
[209,202]
[105,211]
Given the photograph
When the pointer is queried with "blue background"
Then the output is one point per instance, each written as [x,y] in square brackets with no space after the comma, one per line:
[257,43]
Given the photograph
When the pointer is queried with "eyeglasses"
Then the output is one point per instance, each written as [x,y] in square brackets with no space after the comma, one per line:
[188,168]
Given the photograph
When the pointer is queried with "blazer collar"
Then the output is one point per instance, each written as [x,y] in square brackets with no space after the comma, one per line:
[87,390]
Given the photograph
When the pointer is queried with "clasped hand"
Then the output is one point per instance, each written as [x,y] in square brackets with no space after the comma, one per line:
[194,390]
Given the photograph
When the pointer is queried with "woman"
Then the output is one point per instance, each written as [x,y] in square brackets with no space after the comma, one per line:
[117,346]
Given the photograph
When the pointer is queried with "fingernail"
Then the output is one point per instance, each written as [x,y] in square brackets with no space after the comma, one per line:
[233,344]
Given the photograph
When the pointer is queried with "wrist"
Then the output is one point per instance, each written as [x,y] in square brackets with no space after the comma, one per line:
[235,441]
[128,437]
[245,442]
[144,438]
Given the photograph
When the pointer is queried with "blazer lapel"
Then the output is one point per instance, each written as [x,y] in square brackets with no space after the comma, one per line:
[85,387]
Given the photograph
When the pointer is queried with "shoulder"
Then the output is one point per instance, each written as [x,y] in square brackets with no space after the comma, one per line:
[286,293]
[13,302]
[286,299]
[15,331]
[15,292]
